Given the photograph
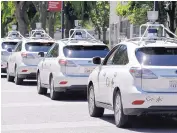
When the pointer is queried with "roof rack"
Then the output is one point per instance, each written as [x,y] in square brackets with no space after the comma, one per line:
[39,33]
[14,34]
[77,33]
[150,33]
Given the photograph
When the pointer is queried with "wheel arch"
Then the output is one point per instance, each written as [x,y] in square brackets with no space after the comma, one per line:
[116,89]
[90,83]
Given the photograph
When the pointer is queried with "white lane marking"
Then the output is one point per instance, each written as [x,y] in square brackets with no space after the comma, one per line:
[10,105]
[19,91]
[55,125]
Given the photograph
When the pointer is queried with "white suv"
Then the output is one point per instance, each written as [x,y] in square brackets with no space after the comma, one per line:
[68,65]
[137,77]
[8,43]
[22,63]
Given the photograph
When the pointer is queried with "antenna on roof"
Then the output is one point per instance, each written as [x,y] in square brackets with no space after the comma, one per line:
[39,33]
[152,27]
[14,34]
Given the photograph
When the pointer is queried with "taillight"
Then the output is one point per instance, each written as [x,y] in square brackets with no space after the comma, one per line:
[69,63]
[142,73]
[27,55]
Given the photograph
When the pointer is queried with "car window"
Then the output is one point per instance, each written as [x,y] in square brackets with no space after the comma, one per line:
[81,51]
[38,46]
[109,56]
[6,45]
[157,56]
[54,52]
[19,47]
[120,56]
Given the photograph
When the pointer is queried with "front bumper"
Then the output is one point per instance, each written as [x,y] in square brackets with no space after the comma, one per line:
[74,83]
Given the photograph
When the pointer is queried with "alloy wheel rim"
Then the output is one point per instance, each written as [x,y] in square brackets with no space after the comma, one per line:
[118,109]
[38,83]
[51,88]
[91,100]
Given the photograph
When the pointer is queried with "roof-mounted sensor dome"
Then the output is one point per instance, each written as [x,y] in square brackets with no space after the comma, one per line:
[14,27]
[38,25]
[152,16]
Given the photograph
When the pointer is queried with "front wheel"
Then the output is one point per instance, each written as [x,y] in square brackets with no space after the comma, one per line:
[94,111]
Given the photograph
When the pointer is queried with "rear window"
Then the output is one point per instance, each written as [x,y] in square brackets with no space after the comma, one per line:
[37,46]
[6,45]
[85,51]
[158,56]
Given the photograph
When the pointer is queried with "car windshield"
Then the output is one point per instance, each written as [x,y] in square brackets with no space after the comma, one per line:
[85,51]
[157,56]
[6,45]
[38,46]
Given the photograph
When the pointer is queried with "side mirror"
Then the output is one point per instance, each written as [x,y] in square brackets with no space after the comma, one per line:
[41,54]
[96,60]
[9,50]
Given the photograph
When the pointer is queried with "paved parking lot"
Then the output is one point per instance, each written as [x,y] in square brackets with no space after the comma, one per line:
[24,111]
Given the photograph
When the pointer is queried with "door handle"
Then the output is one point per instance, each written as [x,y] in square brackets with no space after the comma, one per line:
[115,74]
[104,74]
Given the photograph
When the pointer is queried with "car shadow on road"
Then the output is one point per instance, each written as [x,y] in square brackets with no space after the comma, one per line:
[148,124]
[3,76]
[29,83]
[71,97]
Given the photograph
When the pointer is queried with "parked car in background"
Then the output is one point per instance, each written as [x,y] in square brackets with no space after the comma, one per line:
[23,61]
[68,64]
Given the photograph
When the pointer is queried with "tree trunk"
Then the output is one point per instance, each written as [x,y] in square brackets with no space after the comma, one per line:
[104,34]
[3,33]
[20,13]
[43,13]
[69,25]
[51,24]
[172,16]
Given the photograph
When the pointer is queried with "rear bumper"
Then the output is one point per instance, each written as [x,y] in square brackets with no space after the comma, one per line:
[74,83]
[158,110]
[27,76]
[27,72]
[154,103]
[3,64]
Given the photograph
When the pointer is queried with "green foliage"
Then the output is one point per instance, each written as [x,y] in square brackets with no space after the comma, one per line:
[7,10]
[135,11]
[100,14]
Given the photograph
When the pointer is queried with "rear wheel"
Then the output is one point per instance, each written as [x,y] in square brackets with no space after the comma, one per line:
[9,78]
[121,120]
[40,89]
[94,111]
[53,94]
[18,81]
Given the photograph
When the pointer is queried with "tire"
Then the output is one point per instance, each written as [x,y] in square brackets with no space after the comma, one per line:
[9,78]
[40,89]
[93,110]
[53,94]
[121,120]
[17,80]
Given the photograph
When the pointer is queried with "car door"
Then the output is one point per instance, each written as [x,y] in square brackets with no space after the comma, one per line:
[46,69]
[12,58]
[103,77]
[118,74]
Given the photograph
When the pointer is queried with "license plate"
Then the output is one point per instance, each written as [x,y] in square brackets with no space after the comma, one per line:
[88,70]
[173,84]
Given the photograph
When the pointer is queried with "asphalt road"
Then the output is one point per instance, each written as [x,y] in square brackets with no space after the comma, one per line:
[24,111]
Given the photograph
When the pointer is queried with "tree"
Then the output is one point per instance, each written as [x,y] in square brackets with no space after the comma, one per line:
[136,12]
[7,16]
[100,17]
